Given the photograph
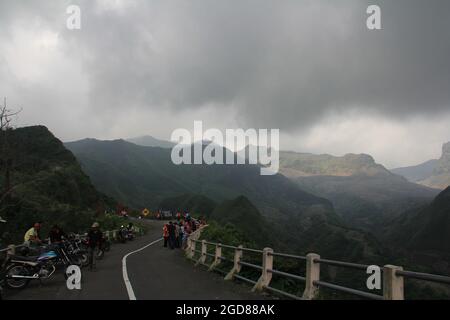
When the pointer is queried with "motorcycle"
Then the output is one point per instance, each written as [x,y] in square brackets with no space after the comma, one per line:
[75,250]
[104,246]
[123,235]
[20,270]
[2,270]
[130,235]
[2,278]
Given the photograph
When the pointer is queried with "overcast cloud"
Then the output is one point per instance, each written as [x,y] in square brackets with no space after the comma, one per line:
[310,68]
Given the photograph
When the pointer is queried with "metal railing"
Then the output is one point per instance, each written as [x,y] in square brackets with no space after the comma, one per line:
[393,276]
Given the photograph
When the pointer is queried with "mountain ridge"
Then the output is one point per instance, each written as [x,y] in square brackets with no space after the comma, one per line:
[145,176]
[150,141]
[363,192]
[432,173]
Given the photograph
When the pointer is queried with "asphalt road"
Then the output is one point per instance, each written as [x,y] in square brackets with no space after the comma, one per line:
[154,273]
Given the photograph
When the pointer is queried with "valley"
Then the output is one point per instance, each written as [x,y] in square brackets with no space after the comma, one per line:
[348,208]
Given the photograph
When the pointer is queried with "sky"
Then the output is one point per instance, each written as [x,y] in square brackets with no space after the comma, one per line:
[310,68]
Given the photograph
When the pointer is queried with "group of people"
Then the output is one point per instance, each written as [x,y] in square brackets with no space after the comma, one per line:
[176,233]
[32,238]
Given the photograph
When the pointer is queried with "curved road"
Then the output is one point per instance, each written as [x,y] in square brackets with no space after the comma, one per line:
[153,272]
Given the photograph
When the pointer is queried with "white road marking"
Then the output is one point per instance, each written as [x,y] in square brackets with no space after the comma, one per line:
[125,273]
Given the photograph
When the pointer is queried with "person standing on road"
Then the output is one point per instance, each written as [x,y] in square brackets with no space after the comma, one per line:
[186,233]
[177,234]
[172,236]
[181,236]
[94,239]
[165,234]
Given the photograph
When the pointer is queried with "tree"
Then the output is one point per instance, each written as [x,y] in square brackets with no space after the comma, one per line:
[6,160]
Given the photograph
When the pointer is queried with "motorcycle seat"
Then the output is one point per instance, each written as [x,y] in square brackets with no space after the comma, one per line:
[23,258]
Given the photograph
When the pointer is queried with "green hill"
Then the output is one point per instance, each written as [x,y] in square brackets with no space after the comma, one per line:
[423,235]
[46,184]
[145,177]
[241,213]
[363,193]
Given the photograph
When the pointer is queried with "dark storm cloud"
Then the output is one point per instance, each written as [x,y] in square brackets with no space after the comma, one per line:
[282,64]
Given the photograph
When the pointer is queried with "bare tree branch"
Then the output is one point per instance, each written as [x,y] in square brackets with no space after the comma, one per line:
[6,116]
[6,161]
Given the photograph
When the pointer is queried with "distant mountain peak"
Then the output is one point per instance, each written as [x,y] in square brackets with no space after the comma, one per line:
[294,164]
[433,173]
[150,141]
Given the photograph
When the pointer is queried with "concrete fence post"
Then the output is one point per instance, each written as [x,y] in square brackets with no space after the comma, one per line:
[236,267]
[217,257]
[312,275]
[266,275]
[393,285]
[188,246]
[204,250]
[193,248]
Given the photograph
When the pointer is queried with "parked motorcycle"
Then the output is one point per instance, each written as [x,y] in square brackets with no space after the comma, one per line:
[77,251]
[20,270]
[130,235]
[105,246]
[2,270]
[122,234]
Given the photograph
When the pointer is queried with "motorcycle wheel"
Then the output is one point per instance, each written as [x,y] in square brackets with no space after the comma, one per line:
[14,283]
[77,260]
[84,260]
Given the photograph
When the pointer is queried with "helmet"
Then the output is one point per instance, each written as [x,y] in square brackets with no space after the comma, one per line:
[95,225]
